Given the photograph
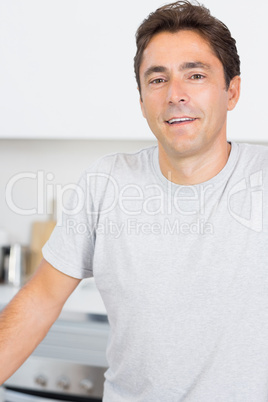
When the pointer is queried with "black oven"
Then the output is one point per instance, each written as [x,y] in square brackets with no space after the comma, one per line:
[68,365]
[14,395]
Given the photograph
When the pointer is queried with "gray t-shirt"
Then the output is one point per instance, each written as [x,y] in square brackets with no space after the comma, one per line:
[183,273]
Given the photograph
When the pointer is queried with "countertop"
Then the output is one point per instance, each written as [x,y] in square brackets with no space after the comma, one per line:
[85,298]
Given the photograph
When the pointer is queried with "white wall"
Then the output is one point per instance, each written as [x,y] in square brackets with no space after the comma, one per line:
[66,71]
[66,67]
[65,159]
[247,22]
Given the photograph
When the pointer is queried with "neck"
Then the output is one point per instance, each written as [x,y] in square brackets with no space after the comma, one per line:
[194,169]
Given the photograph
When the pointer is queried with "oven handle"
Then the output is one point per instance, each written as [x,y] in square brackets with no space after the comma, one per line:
[14,396]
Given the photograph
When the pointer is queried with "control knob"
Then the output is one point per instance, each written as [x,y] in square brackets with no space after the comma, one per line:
[41,380]
[86,384]
[64,383]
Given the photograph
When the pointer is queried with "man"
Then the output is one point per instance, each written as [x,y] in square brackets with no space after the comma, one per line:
[176,234]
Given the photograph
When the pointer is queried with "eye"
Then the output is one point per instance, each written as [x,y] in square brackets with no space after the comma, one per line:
[197,77]
[158,81]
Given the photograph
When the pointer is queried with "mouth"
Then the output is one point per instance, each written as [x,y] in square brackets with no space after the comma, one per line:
[180,120]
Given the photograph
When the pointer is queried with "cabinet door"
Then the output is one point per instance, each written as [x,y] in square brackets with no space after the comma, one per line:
[66,70]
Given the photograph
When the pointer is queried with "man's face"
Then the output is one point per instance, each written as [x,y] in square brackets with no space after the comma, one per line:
[183,93]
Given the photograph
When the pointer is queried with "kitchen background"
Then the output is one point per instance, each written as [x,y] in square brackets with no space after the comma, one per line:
[68,96]
[29,163]
[68,93]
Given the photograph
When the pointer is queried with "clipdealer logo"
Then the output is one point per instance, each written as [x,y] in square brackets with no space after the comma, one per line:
[137,227]
[131,199]
[254,186]
[134,200]
[45,192]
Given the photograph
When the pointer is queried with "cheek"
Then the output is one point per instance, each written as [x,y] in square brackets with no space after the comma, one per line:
[222,105]
[213,102]
[151,113]
[149,108]
[142,108]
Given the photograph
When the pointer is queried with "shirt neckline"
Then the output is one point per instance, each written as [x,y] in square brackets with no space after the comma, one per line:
[217,179]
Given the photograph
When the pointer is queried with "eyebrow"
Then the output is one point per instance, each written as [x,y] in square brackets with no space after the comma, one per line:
[195,64]
[182,67]
[154,69]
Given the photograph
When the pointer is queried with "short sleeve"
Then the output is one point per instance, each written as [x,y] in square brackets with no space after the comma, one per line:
[70,248]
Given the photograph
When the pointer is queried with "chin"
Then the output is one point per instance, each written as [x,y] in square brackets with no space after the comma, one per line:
[183,148]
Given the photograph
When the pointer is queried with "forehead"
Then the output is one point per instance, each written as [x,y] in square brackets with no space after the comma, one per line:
[182,46]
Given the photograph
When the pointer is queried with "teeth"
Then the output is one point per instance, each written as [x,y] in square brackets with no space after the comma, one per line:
[180,120]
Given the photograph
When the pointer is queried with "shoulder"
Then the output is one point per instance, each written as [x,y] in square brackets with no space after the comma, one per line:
[253,162]
[109,174]
[122,163]
[254,152]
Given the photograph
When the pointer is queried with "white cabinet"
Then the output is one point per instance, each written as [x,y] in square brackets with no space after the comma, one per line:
[66,70]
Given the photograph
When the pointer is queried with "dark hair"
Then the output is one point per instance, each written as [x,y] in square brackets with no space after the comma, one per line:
[183,15]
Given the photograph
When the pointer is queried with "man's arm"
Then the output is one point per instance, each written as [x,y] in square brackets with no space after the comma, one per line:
[27,318]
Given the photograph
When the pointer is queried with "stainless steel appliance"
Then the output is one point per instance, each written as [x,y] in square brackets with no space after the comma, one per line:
[13,262]
[4,261]
[68,365]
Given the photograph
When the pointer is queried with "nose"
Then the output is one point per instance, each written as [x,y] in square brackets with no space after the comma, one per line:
[177,92]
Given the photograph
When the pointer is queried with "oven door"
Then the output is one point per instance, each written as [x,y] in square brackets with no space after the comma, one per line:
[68,365]
[19,395]
[13,396]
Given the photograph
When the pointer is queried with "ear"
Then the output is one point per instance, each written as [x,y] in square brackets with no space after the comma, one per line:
[233,92]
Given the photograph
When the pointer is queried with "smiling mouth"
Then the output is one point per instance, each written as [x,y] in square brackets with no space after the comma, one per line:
[180,120]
